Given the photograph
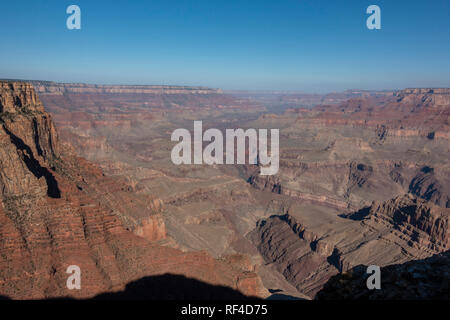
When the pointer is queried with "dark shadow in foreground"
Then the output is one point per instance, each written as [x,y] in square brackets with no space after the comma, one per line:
[173,287]
[167,287]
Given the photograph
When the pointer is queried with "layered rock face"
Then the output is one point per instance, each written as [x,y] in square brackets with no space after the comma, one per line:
[304,259]
[413,109]
[432,186]
[425,224]
[27,135]
[430,96]
[406,113]
[57,210]
[24,99]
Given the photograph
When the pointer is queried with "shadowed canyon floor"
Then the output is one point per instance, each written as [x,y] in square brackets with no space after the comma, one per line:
[361,181]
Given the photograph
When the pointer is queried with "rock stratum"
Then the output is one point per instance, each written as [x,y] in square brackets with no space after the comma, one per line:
[425,224]
[57,210]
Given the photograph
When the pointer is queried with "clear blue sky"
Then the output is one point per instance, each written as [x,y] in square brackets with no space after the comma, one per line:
[304,45]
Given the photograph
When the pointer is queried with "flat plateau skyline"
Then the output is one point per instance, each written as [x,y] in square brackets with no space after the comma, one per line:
[221,90]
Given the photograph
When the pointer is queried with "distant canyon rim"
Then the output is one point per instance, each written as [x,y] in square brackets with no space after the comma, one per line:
[87,179]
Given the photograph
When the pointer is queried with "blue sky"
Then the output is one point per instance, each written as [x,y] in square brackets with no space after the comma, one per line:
[303,45]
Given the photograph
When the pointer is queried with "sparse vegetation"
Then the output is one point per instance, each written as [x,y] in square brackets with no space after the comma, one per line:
[56,164]
[7,116]
[15,207]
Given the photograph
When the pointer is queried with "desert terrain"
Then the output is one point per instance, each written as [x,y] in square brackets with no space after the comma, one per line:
[59,210]
[364,179]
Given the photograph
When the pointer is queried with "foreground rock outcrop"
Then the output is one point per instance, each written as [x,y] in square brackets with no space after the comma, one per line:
[421,279]
[57,210]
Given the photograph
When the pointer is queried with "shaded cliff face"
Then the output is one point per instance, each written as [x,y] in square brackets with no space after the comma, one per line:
[299,254]
[29,143]
[414,280]
[432,186]
[57,210]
